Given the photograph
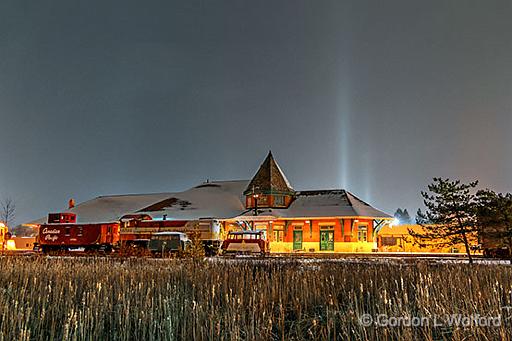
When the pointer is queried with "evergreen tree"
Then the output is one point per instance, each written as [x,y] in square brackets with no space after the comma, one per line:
[494,216]
[195,249]
[402,216]
[450,217]
[398,213]
[406,218]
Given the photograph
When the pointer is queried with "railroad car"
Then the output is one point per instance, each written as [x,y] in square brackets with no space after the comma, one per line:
[136,231]
[89,237]
[245,242]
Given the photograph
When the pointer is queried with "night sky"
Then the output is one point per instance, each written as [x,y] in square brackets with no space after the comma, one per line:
[376,97]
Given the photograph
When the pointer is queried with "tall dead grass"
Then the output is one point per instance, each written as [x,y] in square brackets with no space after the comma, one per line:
[140,299]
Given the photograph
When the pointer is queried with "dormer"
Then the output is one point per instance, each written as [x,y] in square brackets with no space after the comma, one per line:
[269,188]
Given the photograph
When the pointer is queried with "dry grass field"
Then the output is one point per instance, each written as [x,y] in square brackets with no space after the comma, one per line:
[141,299]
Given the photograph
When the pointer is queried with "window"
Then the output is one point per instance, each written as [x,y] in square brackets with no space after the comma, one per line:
[279,200]
[327,227]
[80,231]
[278,234]
[362,233]
[388,241]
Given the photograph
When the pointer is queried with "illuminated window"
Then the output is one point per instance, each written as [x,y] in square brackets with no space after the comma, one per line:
[362,233]
[262,200]
[389,241]
[278,234]
[327,227]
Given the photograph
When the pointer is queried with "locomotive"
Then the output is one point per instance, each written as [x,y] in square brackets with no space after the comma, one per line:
[136,231]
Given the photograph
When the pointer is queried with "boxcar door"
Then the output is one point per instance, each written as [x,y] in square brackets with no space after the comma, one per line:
[297,240]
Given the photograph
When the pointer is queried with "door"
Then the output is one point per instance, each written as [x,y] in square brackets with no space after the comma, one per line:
[327,240]
[297,240]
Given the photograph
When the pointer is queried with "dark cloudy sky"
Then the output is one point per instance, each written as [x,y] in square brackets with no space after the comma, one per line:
[378,97]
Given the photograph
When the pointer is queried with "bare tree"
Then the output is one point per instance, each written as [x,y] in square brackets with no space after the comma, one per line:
[7,211]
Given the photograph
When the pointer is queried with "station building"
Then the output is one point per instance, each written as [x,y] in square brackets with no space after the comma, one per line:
[311,221]
[293,221]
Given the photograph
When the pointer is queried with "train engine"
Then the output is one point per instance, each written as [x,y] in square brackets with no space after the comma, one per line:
[136,231]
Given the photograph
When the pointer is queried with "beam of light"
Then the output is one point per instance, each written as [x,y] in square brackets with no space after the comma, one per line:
[366,178]
[361,160]
[344,109]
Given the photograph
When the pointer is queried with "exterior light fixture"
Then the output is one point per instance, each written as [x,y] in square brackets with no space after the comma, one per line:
[255,197]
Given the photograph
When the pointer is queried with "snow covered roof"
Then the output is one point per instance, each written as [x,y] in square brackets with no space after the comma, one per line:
[110,208]
[323,203]
[220,199]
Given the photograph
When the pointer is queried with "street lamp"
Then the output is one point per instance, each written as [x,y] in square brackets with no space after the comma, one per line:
[255,200]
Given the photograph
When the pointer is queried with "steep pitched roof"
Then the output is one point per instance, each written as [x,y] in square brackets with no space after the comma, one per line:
[269,179]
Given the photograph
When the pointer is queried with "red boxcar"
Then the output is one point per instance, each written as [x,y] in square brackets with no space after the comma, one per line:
[54,237]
